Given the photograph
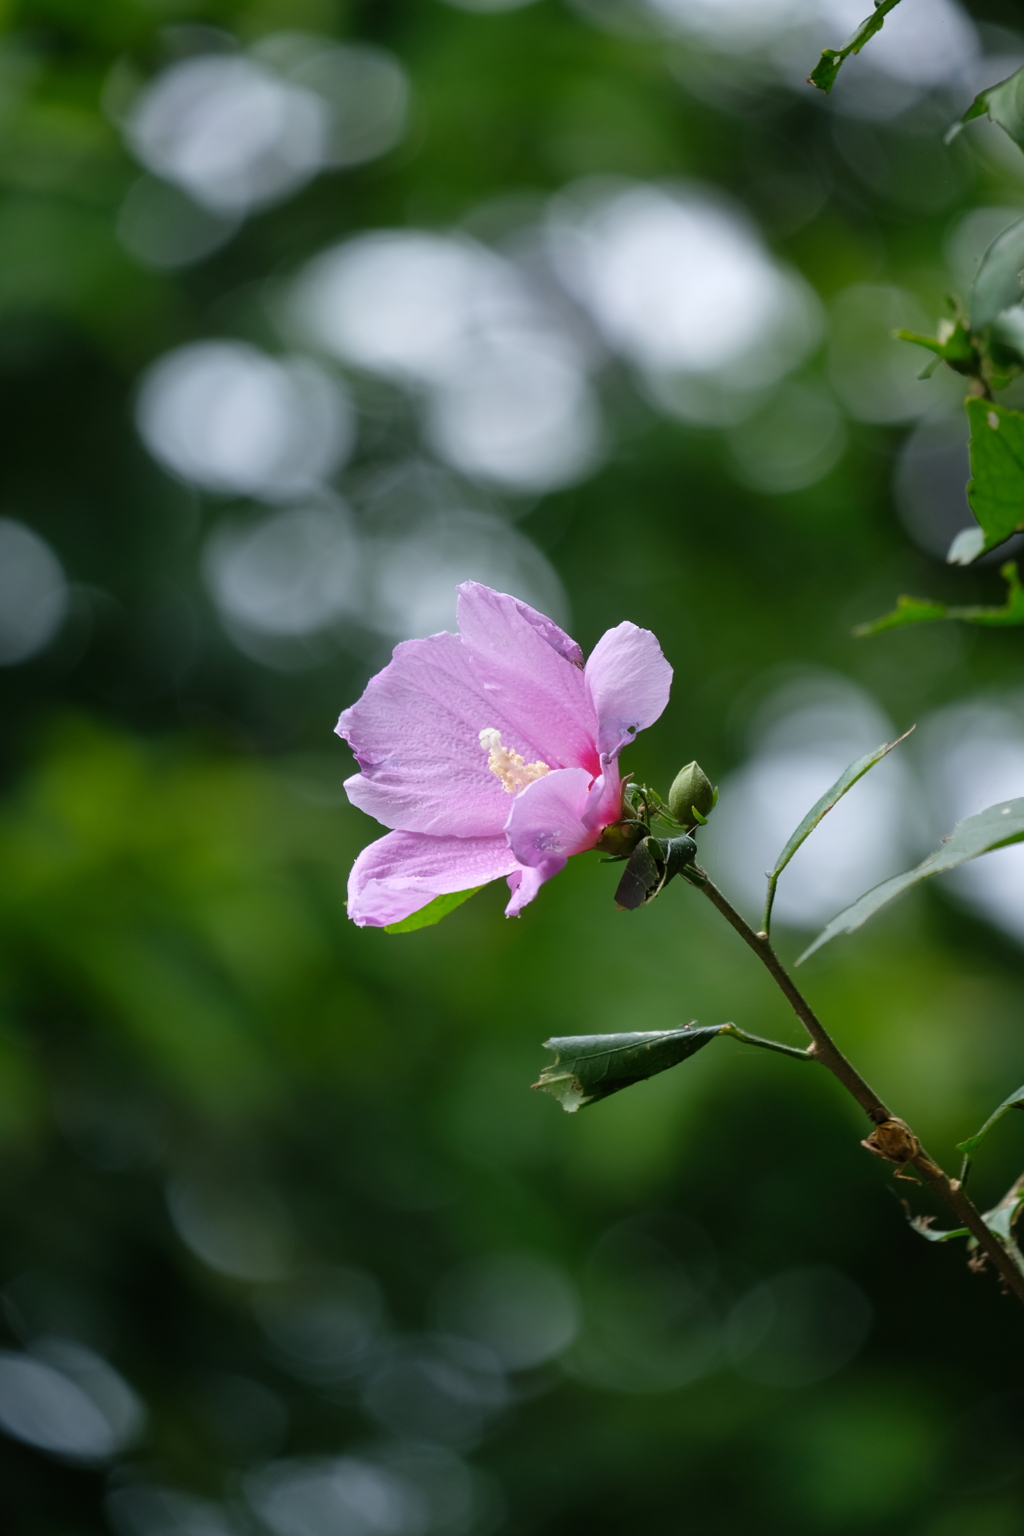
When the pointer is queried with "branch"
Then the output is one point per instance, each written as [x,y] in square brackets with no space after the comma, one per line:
[892,1139]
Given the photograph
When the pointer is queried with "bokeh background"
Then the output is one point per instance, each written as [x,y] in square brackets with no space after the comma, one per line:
[309,310]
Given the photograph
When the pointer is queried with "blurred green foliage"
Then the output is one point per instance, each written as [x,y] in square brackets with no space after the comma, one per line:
[214,1090]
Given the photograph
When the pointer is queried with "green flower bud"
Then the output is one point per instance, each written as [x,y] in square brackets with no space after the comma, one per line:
[692,797]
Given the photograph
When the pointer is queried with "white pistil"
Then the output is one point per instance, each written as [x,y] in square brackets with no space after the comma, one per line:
[509,766]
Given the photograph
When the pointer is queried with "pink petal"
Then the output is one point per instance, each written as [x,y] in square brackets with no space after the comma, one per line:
[629,681]
[400,873]
[416,729]
[416,736]
[604,803]
[532,674]
[471,597]
[546,822]
[525,883]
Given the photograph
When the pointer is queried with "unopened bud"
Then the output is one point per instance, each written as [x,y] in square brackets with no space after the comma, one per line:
[692,797]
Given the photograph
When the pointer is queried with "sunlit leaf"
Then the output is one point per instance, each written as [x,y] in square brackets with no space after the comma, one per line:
[1003,103]
[823,75]
[590,1067]
[1015,1101]
[997,827]
[433,912]
[996,488]
[919,610]
[820,809]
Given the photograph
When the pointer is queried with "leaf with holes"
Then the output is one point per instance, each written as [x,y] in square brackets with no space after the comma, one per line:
[590,1067]
[997,827]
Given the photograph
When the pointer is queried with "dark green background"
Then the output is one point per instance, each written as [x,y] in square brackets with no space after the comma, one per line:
[181,994]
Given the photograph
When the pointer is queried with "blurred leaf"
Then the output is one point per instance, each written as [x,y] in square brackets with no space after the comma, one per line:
[590,1067]
[823,75]
[997,827]
[433,912]
[997,286]
[1015,1101]
[919,610]
[818,811]
[1004,104]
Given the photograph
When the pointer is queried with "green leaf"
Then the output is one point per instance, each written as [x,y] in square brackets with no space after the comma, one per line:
[918,610]
[823,75]
[1015,1101]
[1000,1220]
[996,489]
[652,864]
[923,1226]
[590,1067]
[818,811]
[997,827]
[433,912]
[997,286]
[1004,104]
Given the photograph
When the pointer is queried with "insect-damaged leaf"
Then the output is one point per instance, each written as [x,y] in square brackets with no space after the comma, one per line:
[433,912]
[590,1067]
[823,75]
[652,864]
[996,827]
[918,610]
[831,797]
[1015,1101]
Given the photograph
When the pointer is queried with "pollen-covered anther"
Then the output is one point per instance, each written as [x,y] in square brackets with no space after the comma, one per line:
[508,766]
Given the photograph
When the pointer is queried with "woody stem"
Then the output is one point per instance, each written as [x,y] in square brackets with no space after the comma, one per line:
[824,1050]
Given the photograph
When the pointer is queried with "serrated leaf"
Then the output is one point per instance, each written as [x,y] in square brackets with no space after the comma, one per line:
[997,286]
[846,780]
[1015,1101]
[918,610]
[1004,104]
[591,1067]
[433,912]
[997,827]
[996,488]
[823,75]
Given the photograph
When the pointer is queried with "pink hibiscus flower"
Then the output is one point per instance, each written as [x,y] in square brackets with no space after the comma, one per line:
[492,752]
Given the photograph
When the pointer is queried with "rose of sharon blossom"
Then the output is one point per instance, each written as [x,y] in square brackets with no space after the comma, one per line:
[492,752]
